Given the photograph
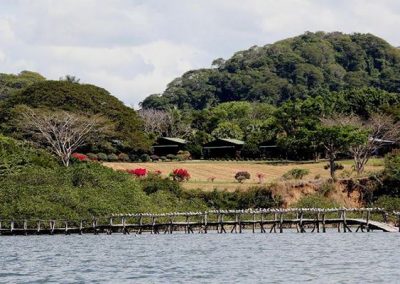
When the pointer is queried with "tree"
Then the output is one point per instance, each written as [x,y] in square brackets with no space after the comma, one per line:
[336,138]
[71,79]
[382,130]
[62,132]
[227,129]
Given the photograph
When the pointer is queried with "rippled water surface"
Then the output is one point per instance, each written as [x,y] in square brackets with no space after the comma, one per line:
[202,258]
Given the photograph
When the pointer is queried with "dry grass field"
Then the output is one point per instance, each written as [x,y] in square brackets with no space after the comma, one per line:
[224,171]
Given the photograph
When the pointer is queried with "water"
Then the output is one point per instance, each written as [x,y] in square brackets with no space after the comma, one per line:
[202,258]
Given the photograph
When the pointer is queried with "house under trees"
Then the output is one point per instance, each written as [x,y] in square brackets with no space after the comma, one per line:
[168,145]
[223,148]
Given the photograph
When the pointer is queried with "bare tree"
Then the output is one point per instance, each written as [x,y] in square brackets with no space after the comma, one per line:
[383,130]
[155,121]
[165,123]
[62,132]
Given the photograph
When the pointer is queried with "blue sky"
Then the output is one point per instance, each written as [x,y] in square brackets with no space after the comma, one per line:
[134,48]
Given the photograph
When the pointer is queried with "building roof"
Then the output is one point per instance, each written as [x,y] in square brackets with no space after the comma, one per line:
[233,141]
[173,139]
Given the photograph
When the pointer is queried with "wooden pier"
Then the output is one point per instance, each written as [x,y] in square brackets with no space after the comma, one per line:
[301,220]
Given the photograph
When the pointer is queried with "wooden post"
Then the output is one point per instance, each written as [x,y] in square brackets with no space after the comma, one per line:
[323,223]
[318,217]
[281,222]
[240,223]
[340,215]
[368,217]
[398,220]
[140,224]
[110,226]
[344,221]
[81,227]
[254,222]
[94,225]
[25,227]
[301,223]
[275,221]
[205,222]
[262,229]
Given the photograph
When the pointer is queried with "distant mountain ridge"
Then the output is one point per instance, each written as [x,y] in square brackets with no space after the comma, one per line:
[307,65]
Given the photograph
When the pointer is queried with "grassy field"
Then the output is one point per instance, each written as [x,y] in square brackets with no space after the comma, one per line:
[224,171]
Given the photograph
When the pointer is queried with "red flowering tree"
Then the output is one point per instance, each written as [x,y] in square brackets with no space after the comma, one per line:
[180,175]
[139,172]
[80,157]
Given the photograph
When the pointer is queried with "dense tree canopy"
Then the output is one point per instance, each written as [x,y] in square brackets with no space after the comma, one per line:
[307,65]
[81,99]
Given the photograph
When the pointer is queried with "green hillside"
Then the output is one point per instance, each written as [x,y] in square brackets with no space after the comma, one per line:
[307,65]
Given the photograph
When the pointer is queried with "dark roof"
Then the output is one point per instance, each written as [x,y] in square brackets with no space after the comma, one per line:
[173,139]
[217,142]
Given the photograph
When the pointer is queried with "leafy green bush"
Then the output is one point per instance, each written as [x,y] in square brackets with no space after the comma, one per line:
[154,183]
[112,158]
[296,173]
[171,157]
[102,157]
[388,202]
[16,156]
[123,157]
[183,155]
[242,176]
[154,158]
[316,201]
[392,166]
[145,158]
[92,156]
[133,157]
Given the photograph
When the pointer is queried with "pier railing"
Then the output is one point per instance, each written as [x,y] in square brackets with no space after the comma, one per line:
[270,220]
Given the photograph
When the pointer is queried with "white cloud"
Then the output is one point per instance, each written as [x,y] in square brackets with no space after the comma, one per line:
[134,47]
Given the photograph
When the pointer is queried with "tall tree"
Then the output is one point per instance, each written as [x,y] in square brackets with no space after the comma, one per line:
[62,132]
[336,139]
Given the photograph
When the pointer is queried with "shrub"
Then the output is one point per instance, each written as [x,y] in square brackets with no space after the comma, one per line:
[242,176]
[145,158]
[388,202]
[171,157]
[296,173]
[257,197]
[123,157]
[139,172]
[92,156]
[79,157]
[260,177]
[154,183]
[154,158]
[163,158]
[180,175]
[211,178]
[183,155]
[326,188]
[133,157]
[336,165]
[316,201]
[392,166]
[112,158]
[102,157]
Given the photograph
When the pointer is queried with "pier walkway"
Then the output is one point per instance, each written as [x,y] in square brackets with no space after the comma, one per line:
[302,220]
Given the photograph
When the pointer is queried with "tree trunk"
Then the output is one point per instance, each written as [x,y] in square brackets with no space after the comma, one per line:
[332,168]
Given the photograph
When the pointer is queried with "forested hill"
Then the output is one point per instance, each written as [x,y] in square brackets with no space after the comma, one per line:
[307,65]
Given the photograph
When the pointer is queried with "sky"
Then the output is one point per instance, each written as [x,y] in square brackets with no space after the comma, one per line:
[134,48]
